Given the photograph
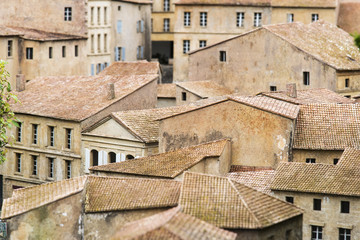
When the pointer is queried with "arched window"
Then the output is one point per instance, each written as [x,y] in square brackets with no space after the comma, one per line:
[94,158]
[112,157]
[129,156]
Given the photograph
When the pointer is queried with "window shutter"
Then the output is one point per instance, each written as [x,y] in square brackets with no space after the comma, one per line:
[142,52]
[92,70]
[142,25]
[137,53]
[123,54]
[138,26]
[116,54]
[119,26]
[102,66]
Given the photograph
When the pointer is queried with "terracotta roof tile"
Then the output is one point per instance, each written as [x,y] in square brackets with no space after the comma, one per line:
[26,199]
[304,3]
[204,89]
[228,204]
[166,90]
[225,2]
[132,68]
[172,224]
[169,164]
[75,97]
[350,158]
[35,34]
[113,194]
[309,96]
[259,180]
[243,168]
[318,178]
[328,127]
[323,41]
[349,17]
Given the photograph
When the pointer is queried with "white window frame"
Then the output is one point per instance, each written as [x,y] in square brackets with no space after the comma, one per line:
[166,25]
[29,53]
[318,231]
[51,164]
[68,169]
[186,46]
[202,43]
[257,19]
[240,18]
[345,235]
[203,19]
[166,5]
[67,14]
[290,17]
[68,133]
[314,17]
[187,19]
[35,169]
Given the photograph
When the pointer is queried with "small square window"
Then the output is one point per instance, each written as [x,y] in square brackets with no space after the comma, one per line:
[183,96]
[222,56]
[290,17]
[289,199]
[317,204]
[316,232]
[288,234]
[345,207]
[344,234]
[314,17]
[273,88]
[336,160]
[347,82]
[202,43]
[306,78]
[311,160]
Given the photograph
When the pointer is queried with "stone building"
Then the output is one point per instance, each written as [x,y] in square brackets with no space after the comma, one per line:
[53,112]
[329,195]
[166,94]
[33,53]
[348,18]
[117,31]
[211,158]
[317,55]
[86,207]
[238,208]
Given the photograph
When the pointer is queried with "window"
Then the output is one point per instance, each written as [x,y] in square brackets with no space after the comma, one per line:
[289,199]
[310,160]
[99,43]
[166,24]
[18,162]
[98,68]
[119,8]
[222,56]
[202,43]
[94,158]
[345,207]
[112,157]
[105,43]
[98,16]
[92,43]
[35,133]
[51,135]
[273,88]
[19,132]
[336,160]
[240,16]
[317,204]
[203,19]
[68,138]
[187,19]
[34,165]
[92,15]
[186,46]
[63,51]
[314,17]
[316,233]
[76,49]
[50,52]
[347,96]
[306,78]
[140,52]
[290,17]
[347,82]
[105,15]
[10,48]
[67,14]
[129,157]
[183,96]
[344,234]
[51,167]
[119,26]
[257,19]
[29,53]
[166,5]
[68,169]
[118,54]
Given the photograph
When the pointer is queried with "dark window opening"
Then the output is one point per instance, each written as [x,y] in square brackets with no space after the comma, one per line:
[94,158]
[289,199]
[63,51]
[183,96]
[345,207]
[316,232]
[129,156]
[50,52]
[344,234]
[336,160]
[29,53]
[273,88]
[76,50]
[68,168]
[222,56]
[347,82]
[310,160]
[317,204]
[306,78]
[112,157]
[35,165]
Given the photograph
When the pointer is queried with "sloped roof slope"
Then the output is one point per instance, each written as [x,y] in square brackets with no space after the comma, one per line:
[228,204]
[328,127]
[172,224]
[204,89]
[169,164]
[259,180]
[75,97]
[132,68]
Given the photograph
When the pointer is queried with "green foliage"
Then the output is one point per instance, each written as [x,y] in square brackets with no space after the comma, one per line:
[7,117]
[356,39]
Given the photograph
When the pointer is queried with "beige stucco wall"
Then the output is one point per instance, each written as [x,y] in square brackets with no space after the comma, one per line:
[59,220]
[354,83]
[321,156]
[257,61]
[279,14]
[190,97]
[329,217]
[259,138]
[165,102]
[158,15]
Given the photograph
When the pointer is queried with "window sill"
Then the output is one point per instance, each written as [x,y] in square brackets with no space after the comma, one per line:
[18,174]
[34,176]
[50,179]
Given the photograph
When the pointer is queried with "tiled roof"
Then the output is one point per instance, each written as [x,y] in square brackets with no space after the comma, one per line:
[243,168]
[318,178]
[225,2]
[113,194]
[309,96]
[228,204]
[259,180]
[349,17]
[324,41]
[166,90]
[169,164]
[132,68]
[35,34]
[350,158]
[75,97]
[144,123]
[172,224]
[304,3]
[204,89]
[26,199]
[328,127]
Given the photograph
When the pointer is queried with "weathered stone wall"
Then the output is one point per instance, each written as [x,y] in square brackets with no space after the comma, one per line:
[259,138]
[190,97]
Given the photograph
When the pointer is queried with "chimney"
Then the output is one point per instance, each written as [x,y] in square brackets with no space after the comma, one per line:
[291,90]
[20,82]
[111,91]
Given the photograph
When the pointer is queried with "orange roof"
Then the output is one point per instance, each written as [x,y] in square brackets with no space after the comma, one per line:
[132,68]
[204,89]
